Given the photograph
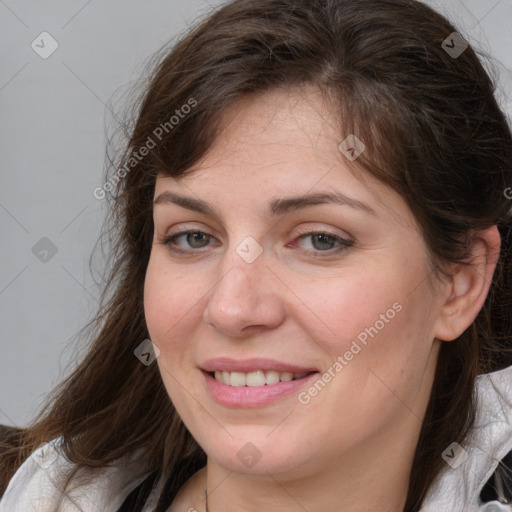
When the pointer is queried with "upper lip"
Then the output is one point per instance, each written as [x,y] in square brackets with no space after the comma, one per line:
[227,364]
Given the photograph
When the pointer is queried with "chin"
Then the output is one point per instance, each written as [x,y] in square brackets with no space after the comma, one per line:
[259,455]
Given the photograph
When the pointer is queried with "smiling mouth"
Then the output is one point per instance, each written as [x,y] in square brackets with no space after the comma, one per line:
[257,378]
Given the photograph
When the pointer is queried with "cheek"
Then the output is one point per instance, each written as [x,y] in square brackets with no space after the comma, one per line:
[381,332]
[170,303]
[342,307]
[169,300]
[377,317]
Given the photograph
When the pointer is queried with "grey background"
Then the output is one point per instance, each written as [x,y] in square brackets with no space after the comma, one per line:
[52,147]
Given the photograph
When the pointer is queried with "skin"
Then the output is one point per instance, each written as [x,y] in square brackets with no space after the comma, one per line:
[351,447]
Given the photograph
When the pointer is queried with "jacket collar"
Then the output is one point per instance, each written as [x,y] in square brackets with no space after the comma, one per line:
[469,467]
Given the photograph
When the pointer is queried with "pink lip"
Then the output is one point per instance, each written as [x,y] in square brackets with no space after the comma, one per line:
[258,396]
[227,364]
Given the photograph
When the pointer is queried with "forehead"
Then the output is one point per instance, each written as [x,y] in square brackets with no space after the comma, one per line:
[298,119]
[274,134]
[280,143]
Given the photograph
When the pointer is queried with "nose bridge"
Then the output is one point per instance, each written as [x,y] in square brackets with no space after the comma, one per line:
[243,271]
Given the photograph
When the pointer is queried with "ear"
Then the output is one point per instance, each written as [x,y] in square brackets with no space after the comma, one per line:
[468,286]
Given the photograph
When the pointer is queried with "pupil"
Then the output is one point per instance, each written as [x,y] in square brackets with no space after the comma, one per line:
[324,237]
[195,237]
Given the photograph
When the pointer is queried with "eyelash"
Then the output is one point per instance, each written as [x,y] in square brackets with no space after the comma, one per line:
[344,243]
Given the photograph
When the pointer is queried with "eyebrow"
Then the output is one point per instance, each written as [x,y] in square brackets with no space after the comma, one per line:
[276,206]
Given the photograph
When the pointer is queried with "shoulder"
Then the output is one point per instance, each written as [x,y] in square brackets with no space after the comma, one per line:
[39,484]
[469,467]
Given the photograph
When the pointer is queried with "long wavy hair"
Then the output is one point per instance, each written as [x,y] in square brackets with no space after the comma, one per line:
[433,132]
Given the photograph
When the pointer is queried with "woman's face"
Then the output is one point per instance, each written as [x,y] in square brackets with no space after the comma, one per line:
[332,293]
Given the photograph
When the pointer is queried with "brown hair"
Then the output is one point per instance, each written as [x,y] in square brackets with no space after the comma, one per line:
[433,131]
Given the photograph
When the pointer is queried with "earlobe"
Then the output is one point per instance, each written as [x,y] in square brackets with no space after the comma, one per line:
[469,285]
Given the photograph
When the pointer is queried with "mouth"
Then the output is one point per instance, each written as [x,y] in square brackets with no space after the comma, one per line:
[253,382]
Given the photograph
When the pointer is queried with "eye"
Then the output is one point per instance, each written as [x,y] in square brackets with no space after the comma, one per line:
[324,242]
[196,240]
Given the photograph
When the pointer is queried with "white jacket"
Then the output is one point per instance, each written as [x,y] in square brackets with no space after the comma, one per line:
[36,485]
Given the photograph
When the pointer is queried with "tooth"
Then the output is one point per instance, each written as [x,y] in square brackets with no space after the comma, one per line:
[237,379]
[271,377]
[256,378]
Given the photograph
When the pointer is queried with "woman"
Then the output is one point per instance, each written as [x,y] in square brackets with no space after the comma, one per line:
[312,268]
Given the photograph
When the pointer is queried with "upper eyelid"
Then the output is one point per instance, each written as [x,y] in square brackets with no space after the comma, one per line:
[307,231]
[317,227]
[187,229]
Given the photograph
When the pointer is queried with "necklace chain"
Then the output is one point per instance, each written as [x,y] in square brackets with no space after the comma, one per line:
[206,499]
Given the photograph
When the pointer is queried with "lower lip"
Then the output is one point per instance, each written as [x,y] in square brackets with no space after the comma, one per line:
[248,396]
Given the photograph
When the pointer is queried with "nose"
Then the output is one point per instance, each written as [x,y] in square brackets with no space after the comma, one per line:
[246,297]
